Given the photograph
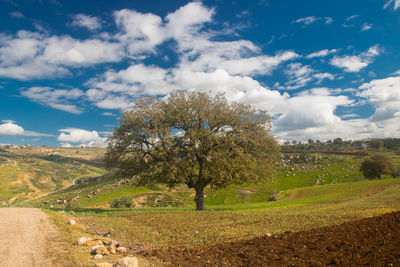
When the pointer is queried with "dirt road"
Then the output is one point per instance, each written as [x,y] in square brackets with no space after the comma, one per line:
[23,237]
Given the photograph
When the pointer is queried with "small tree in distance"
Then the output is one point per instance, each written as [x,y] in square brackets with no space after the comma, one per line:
[195,139]
[376,165]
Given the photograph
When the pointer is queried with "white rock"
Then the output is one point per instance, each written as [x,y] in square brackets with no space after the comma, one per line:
[98,257]
[71,222]
[82,240]
[127,262]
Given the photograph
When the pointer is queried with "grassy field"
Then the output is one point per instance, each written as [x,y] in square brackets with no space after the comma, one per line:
[293,171]
[299,209]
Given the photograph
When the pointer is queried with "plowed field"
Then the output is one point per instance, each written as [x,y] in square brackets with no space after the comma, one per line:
[371,241]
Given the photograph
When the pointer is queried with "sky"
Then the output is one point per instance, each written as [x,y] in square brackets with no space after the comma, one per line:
[322,69]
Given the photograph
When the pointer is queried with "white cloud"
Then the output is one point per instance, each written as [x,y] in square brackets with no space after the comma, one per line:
[311,109]
[86,138]
[352,17]
[311,19]
[322,53]
[55,98]
[299,75]
[66,145]
[358,62]
[30,55]
[10,128]
[16,14]
[89,22]
[366,27]
[350,63]
[395,2]
[322,76]
[384,94]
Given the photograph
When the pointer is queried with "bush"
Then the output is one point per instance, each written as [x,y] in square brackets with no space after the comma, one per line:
[121,202]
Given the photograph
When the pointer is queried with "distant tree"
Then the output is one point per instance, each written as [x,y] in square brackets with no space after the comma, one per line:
[376,165]
[376,144]
[294,142]
[338,141]
[195,139]
[310,141]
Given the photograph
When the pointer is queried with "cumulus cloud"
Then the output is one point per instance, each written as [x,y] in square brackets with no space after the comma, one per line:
[86,138]
[85,21]
[10,128]
[310,109]
[55,98]
[28,55]
[355,63]
[384,94]
[322,53]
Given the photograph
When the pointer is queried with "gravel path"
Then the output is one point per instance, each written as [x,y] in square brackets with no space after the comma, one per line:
[23,235]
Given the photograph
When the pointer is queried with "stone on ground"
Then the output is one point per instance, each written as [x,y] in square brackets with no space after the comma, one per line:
[127,262]
[121,250]
[71,222]
[83,240]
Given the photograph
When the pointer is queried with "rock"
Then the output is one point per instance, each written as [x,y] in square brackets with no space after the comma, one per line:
[83,240]
[121,250]
[98,257]
[127,262]
[99,249]
[268,234]
[71,222]
[112,249]
[95,242]
[103,264]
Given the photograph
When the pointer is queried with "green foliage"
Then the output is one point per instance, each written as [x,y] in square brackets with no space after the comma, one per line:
[124,201]
[195,139]
[376,165]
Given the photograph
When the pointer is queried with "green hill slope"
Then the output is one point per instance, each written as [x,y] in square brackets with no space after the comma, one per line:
[28,172]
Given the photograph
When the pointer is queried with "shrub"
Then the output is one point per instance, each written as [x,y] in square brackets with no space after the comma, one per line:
[121,202]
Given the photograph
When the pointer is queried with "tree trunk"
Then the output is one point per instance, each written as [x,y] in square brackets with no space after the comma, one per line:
[199,187]
[200,205]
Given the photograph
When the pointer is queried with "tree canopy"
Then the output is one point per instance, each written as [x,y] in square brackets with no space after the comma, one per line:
[195,139]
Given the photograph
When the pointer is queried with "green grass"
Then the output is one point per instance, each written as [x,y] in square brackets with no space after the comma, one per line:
[303,208]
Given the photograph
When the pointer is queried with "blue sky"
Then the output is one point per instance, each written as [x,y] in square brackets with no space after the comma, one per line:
[322,69]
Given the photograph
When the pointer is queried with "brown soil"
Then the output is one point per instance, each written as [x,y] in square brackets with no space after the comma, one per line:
[371,241]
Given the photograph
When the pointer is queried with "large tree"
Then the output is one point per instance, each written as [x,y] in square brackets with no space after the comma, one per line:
[195,139]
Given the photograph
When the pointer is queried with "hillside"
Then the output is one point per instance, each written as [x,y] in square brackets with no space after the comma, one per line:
[293,171]
[75,178]
[29,172]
